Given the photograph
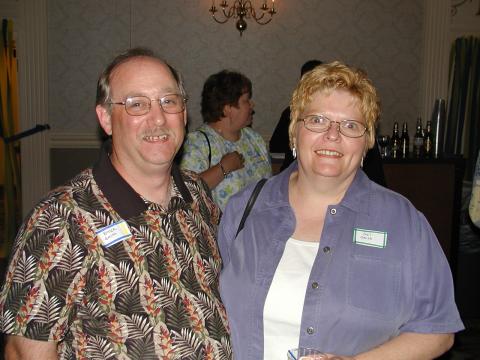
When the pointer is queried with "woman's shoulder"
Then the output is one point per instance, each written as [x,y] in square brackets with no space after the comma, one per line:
[390,203]
[252,134]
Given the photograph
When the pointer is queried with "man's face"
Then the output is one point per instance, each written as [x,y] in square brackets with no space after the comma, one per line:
[147,142]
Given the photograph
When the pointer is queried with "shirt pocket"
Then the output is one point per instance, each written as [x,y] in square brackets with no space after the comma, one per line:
[373,287]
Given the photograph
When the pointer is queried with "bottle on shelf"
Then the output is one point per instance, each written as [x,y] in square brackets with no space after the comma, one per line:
[428,140]
[395,151]
[404,142]
[418,148]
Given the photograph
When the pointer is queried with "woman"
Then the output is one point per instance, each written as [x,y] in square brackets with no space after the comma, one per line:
[327,258]
[226,152]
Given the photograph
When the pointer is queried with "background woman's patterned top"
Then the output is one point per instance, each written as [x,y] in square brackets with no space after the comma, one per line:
[251,145]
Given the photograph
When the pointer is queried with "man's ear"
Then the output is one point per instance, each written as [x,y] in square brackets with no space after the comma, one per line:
[104,118]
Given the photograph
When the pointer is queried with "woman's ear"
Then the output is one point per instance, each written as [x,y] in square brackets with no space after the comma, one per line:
[104,118]
[227,109]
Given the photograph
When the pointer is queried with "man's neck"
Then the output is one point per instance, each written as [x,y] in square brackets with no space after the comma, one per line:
[154,185]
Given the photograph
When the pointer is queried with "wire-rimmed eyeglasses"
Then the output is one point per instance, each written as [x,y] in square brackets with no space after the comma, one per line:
[321,123]
[141,105]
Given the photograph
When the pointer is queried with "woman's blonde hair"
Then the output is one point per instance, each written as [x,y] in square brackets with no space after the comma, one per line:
[336,76]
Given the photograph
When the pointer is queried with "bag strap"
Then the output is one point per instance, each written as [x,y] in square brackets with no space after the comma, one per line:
[209,148]
[250,203]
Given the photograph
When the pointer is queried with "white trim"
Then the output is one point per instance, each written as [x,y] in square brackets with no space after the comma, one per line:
[436,48]
[75,141]
[33,89]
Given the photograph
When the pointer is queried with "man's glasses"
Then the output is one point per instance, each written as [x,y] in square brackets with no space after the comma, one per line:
[321,123]
[141,105]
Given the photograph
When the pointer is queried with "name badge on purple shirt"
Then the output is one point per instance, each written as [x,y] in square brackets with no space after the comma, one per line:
[371,238]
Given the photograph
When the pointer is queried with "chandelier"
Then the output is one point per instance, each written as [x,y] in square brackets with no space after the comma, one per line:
[241,10]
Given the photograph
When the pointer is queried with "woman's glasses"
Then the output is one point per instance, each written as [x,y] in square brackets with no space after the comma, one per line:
[321,123]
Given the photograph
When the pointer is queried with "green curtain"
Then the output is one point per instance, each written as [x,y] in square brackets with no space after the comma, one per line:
[9,121]
[463,125]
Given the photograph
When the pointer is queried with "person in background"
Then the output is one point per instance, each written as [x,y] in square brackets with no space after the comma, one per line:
[327,258]
[279,140]
[474,204]
[226,152]
[122,262]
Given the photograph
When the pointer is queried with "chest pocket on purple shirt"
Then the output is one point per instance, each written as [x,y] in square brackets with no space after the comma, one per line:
[373,286]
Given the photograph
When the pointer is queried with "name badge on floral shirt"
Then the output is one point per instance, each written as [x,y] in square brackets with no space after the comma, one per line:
[112,234]
[372,238]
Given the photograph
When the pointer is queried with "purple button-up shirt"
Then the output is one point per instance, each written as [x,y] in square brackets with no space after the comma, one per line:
[361,292]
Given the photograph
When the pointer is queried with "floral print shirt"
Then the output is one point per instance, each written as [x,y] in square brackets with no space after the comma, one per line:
[251,145]
[151,295]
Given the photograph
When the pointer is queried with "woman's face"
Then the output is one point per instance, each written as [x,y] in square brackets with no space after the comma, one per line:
[241,114]
[330,154]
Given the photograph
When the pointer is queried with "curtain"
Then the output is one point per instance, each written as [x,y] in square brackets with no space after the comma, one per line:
[9,124]
[463,124]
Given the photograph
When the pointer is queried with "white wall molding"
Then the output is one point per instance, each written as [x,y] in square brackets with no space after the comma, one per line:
[33,85]
[75,141]
[435,54]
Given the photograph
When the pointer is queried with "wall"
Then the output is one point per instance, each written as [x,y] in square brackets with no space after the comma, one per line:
[465,21]
[388,38]
[384,37]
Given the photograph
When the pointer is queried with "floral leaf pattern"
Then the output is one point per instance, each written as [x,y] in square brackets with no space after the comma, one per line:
[152,295]
[25,269]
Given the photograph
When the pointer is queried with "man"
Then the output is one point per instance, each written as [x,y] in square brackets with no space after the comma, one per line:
[122,261]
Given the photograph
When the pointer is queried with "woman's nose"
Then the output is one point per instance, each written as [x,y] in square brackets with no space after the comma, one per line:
[333,131]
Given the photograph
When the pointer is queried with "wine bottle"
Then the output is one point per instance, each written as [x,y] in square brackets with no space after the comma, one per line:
[428,140]
[395,141]
[418,149]
[405,142]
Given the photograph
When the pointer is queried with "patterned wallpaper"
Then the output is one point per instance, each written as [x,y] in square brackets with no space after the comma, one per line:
[382,36]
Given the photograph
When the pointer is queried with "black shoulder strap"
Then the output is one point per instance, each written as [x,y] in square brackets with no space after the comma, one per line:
[250,204]
[209,148]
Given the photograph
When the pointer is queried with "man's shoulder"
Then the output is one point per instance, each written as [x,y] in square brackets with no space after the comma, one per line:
[193,181]
[190,176]
[63,193]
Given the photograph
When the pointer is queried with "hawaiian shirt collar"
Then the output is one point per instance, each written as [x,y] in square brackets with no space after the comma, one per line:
[123,198]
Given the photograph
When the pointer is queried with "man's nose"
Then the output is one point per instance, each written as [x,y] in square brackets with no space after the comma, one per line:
[157,114]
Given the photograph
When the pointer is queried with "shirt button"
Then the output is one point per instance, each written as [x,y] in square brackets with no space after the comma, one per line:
[315,285]
[333,211]
[327,250]
[310,330]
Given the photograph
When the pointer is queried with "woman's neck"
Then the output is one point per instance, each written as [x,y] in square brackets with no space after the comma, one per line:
[224,130]
[313,190]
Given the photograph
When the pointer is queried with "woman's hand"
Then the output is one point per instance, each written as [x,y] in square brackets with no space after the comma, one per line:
[217,173]
[232,161]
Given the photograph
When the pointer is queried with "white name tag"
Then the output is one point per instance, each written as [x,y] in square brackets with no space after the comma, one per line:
[112,234]
[372,238]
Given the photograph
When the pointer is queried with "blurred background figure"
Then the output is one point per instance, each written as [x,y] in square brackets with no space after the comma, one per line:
[474,207]
[226,152]
[279,140]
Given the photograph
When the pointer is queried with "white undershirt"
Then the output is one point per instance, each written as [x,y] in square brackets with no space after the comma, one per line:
[282,313]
